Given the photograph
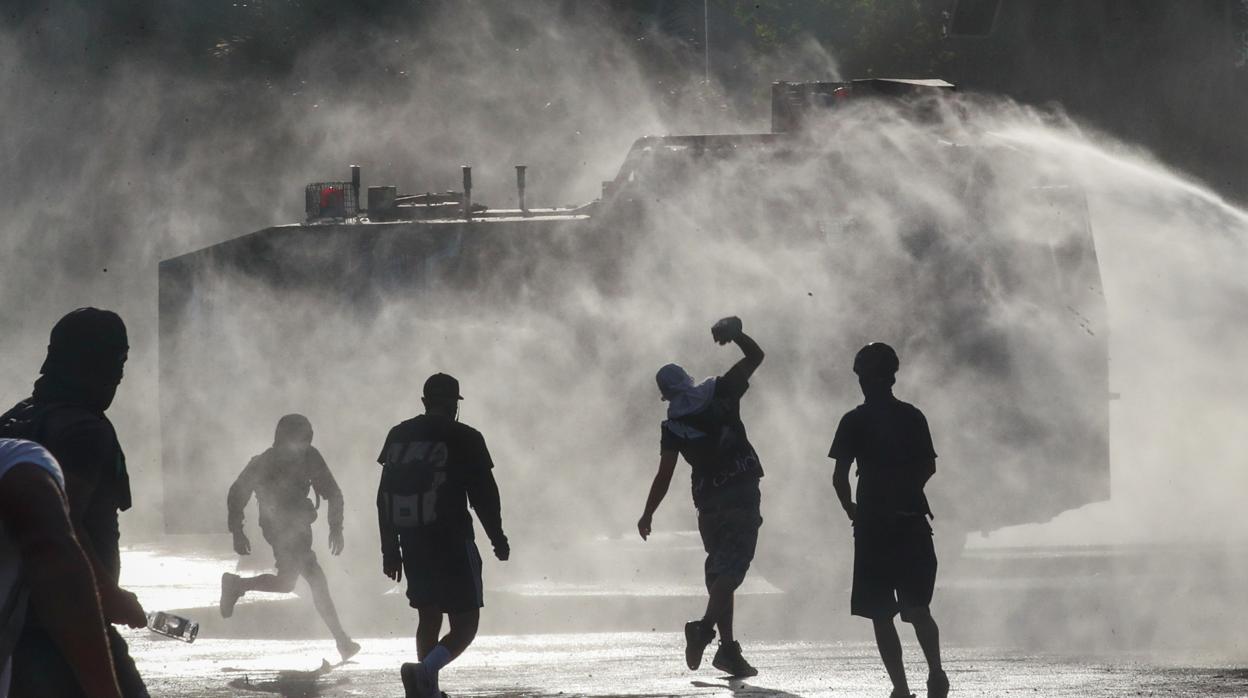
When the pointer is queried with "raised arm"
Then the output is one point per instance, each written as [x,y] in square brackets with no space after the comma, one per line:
[729,329]
[753,353]
[658,490]
[60,578]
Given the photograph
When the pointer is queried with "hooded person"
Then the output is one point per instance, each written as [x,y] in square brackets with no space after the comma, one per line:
[683,398]
[704,427]
[86,358]
[281,478]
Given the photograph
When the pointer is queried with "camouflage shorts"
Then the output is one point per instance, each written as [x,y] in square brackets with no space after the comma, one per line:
[729,536]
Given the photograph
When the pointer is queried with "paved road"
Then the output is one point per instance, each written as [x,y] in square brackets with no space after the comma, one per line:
[1020,623]
[645,664]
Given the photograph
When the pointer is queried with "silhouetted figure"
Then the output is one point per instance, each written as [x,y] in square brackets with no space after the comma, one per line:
[894,559]
[40,559]
[704,425]
[433,467]
[86,359]
[281,478]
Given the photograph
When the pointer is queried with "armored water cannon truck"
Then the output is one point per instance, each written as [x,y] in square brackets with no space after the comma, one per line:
[556,318]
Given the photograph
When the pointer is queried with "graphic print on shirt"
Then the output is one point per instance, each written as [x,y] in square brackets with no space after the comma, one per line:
[414,472]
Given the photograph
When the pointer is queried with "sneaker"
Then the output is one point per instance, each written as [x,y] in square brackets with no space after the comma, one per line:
[900,694]
[230,593]
[728,659]
[416,681]
[938,685]
[348,649]
[697,636]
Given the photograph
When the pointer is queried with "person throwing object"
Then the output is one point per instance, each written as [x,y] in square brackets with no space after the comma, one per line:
[704,425]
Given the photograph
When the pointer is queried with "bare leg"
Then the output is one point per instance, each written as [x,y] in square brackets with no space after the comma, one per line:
[323,601]
[719,607]
[427,630]
[463,631]
[929,638]
[282,583]
[889,643]
[435,656]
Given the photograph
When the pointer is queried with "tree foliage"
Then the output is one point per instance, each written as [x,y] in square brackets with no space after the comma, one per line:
[870,37]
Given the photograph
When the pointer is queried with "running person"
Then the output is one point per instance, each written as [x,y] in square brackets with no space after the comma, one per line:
[894,559]
[280,478]
[704,425]
[433,468]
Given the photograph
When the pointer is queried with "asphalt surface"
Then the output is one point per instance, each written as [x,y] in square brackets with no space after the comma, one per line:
[646,664]
[1024,622]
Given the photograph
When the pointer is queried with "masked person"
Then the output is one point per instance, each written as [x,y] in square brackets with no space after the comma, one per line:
[433,468]
[281,478]
[41,561]
[894,558]
[704,425]
[86,356]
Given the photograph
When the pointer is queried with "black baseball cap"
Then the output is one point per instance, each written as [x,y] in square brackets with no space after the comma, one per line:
[440,386]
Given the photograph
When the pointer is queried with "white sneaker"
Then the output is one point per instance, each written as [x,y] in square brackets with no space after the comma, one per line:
[230,593]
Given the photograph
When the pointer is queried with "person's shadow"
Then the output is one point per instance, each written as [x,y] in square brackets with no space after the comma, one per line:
[292,684]
[743,689]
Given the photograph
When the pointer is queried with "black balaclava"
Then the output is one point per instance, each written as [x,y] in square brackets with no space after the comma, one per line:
[86,355]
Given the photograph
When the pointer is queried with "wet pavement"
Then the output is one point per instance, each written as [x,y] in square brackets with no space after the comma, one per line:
[645,664]
[1024,622]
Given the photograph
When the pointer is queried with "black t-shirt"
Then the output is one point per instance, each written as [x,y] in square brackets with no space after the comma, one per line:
[892,444]
[84,443]
[432,467]
[714,443]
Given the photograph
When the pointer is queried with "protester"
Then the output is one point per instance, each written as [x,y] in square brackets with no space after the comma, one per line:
[41,559]
[704,425]
[894,559]
[433,467]
[65,414]
[281,478]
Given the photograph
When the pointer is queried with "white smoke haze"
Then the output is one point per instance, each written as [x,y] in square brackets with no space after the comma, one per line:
[874,230]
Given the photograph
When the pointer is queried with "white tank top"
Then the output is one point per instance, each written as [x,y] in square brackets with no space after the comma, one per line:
[12,596]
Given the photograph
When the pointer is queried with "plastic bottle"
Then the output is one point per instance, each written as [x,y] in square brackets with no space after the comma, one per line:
[173,626]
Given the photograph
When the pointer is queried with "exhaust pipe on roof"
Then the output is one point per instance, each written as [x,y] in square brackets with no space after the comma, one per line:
[520,170]
[355,189]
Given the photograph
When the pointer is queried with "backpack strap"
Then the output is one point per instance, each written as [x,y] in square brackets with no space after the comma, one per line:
[29,423]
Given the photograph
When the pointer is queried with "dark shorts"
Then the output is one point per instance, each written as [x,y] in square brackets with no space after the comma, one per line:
[894,568]
[729,536]
[442,573]
[292,547]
